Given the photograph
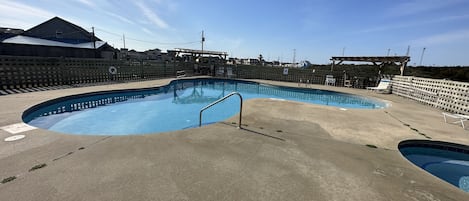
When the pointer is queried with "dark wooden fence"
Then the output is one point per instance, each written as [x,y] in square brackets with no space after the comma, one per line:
[29,72]
[18,73]
[299,75]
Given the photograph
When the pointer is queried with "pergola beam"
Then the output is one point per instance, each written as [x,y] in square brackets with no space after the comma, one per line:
[197,53]
[402,60]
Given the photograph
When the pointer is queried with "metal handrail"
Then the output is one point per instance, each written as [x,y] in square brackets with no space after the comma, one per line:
[220,100]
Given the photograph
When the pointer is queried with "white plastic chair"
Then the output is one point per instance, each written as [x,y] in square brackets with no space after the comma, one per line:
[384,85]
[459,117]
[330,80]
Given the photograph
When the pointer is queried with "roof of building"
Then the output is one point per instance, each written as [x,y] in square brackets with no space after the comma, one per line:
[26,40]
[9,32]
[58,29]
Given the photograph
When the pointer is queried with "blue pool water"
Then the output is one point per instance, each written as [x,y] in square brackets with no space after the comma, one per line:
[449,164]
[168,108]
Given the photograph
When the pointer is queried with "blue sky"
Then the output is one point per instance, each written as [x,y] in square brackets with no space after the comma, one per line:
[317,29]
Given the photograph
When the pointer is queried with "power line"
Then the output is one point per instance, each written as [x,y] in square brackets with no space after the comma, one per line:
[147,41]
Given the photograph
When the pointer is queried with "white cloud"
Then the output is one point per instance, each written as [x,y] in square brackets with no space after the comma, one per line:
[151,16]
[443,38]
[121,18]
[14,23]
[18,15]
[14,9]
[97,8]
[88,3]
[170,5]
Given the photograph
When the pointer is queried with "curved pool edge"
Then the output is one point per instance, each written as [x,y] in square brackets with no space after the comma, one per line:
[81,95]
[387,103]
[447,161]
[113,91]
[49,107]
[450,146]
[341,90]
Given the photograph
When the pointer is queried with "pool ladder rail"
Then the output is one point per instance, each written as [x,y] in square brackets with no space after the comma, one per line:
[220,100]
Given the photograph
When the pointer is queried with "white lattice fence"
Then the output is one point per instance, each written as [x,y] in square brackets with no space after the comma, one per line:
[447,95]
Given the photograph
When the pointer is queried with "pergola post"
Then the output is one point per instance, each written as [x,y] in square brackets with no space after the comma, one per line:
[380,69]
[403,65]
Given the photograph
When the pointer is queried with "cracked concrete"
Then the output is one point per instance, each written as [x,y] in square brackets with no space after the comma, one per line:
[287,151]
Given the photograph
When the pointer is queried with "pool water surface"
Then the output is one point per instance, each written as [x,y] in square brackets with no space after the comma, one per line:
[169,108]
[448,161]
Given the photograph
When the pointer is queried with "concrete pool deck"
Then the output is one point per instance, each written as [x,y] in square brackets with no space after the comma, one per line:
[286,151]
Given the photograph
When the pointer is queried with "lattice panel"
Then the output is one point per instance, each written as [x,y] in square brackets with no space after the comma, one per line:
[447,95]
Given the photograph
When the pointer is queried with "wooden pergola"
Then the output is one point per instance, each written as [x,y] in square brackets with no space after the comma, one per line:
[200,53]
[377,61]
[202,59]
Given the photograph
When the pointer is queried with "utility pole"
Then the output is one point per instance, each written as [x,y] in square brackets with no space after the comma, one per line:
[343,51]
[202,41]
[294,57]
[123,39]
[389,50]
[408,51]
[94,40]
[421,57]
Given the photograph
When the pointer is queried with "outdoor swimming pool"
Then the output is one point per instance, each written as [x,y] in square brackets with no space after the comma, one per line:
[447,161]
[168,108]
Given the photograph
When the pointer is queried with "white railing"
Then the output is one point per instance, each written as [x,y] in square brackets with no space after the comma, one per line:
[451,96]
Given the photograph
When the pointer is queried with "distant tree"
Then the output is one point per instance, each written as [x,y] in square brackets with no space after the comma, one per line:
[261,59]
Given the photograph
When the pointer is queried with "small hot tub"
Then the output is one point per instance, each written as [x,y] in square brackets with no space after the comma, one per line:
[448,161]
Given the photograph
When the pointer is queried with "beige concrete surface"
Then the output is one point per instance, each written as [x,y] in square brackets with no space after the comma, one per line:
[286,151]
